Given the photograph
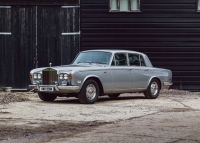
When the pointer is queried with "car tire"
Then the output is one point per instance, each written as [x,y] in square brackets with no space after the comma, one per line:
[46,96]
[114,95]
[153,89]
[89,92]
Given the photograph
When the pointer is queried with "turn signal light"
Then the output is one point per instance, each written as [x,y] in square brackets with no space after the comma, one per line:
[70,76]
[30,76]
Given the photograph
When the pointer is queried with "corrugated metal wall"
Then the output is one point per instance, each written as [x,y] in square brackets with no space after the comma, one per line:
[168,31]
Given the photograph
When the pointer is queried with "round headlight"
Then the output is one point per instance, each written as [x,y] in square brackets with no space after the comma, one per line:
[35,76]
[61,76]
[39,76]
[65,76]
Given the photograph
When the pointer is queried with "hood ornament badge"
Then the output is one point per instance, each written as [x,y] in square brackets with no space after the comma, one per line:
[50,64]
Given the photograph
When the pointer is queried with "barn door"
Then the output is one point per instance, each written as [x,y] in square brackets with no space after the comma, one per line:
[57,35]
[34,36]
[17,45]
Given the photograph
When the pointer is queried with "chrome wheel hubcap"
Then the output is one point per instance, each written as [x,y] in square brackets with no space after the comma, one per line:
[154,88]
[91,92]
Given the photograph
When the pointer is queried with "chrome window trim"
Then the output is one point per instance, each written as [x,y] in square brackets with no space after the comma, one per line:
[5,6]
[198,5]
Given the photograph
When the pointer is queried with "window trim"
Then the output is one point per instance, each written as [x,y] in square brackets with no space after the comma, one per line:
[118,6]
[5,6]
[140,57]
[198,5]
[115,60]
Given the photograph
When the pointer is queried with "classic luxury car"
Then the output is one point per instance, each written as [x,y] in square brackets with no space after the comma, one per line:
[96,73]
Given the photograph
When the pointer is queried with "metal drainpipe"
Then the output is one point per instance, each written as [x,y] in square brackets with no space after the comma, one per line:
[36,42]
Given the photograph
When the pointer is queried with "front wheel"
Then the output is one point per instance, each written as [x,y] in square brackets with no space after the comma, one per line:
[46,96]
[153,89]
[89,92]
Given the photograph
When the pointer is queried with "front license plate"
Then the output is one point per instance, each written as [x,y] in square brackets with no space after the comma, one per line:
[46,89]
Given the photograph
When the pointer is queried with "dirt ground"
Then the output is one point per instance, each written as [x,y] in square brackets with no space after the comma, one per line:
[174,117]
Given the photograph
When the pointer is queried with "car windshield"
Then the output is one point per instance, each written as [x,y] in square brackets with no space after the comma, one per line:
[96,57]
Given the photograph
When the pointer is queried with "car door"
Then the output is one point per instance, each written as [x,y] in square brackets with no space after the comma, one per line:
[140,72]
[121,73]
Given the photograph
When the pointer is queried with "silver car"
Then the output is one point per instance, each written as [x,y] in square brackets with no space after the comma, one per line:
[96,73]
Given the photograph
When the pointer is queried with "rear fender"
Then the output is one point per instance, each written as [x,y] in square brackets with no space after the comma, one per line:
[151,79]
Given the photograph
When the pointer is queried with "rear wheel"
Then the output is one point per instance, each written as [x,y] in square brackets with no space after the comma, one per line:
[114,95]
[46,96]
[153,89]
[89,92]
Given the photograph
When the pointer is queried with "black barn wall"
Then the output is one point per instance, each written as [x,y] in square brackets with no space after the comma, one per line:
[18,49]
[168,31]
[53,47]
[36,38]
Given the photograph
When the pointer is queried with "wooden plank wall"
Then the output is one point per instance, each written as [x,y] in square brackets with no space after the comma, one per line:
[6,57]
[39,2]
[168,31]
[53,47]
[20,50]
[17,50]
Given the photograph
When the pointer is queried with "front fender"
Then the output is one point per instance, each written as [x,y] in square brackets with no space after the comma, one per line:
[89,76]
[80,78]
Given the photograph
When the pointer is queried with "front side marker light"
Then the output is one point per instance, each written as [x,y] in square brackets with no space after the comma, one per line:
[30,76]
[70,76]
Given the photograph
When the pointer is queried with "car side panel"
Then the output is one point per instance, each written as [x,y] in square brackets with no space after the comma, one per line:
[122,79]
[141,77]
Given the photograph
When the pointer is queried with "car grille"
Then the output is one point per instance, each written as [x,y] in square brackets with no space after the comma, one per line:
[49,76]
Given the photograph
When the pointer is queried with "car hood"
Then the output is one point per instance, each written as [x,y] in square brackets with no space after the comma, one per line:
[70,67]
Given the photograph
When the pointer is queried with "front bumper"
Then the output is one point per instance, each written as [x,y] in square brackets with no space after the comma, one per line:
[168,83]
[58,89]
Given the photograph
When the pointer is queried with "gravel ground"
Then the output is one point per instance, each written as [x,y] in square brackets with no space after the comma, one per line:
[172,117]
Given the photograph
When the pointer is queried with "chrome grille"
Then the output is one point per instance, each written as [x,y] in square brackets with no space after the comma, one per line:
[49,76]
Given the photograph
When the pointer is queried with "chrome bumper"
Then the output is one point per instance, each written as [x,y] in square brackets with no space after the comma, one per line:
[168,83]
[58,89]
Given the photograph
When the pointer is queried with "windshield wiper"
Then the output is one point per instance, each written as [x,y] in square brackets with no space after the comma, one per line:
[85,62]
[92,62]
[89,62]
[101,62]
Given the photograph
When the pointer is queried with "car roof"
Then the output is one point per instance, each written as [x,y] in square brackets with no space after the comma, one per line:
[148,62]
[115,51]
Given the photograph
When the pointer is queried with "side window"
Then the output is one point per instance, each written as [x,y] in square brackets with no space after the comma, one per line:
[119,60]
[198,6]
[124,5]
[136,60]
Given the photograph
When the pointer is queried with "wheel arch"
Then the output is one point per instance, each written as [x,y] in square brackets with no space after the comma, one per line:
[95,78]
[155,77]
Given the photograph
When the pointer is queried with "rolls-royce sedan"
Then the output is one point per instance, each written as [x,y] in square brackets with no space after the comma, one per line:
[95,73]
